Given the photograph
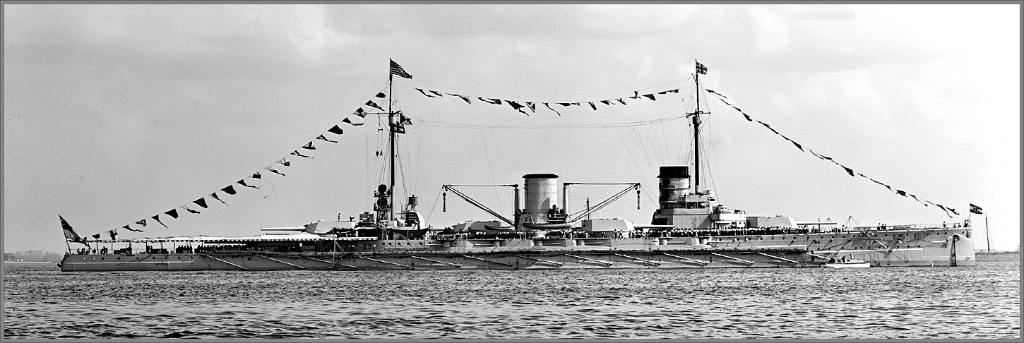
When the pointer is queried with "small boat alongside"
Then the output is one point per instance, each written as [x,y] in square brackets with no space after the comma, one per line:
[847,264]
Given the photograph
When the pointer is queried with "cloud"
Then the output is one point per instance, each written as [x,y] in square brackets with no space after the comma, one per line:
[191,94]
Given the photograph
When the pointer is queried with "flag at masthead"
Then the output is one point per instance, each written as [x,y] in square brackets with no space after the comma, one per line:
[397,69]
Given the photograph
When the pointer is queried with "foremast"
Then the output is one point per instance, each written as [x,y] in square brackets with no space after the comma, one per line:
[683,204]
[391,149]
[387,214]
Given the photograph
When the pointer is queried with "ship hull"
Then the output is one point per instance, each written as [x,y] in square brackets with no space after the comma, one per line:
[896,248]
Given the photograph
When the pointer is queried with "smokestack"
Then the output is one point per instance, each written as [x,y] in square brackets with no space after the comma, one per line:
[541,194]
[674,183]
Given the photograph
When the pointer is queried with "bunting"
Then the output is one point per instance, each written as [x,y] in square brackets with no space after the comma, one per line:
[157,219]
[532,106]
[463,97]
[373,104]
[434,96]
[242,182]
[716,93]
[919,200]
[321,137]
[552,110]
[214,195]
[518,105]
[848,170]
[272,170]
[309,145]
[336,130]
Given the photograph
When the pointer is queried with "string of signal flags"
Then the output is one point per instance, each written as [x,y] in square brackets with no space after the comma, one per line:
[252,181]
[948,210]
[522,105]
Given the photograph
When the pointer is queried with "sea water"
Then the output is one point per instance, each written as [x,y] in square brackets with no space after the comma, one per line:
[963,302]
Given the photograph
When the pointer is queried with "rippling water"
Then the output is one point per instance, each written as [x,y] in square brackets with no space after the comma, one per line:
[976,302]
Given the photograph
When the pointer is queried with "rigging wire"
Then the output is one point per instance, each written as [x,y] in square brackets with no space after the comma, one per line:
[490,166]
[632,157]
[416,164]
[401,171]
[644,142]
[704,148]
[710,173]
[568,148]
[432,208]
[659,142]
[366,156]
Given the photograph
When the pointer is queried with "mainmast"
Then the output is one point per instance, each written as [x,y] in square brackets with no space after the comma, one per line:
[700,69]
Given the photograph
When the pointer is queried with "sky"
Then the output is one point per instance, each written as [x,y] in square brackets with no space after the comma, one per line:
[116,113]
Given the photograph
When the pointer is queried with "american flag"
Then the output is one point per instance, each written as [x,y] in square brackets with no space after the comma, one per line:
[398,70]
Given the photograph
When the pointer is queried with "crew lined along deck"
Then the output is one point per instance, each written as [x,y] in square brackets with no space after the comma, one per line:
[471,242]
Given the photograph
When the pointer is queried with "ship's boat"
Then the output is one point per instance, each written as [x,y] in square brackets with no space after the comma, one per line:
[847,264]
[689,229]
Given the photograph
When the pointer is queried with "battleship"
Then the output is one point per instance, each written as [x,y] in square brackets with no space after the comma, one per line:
[689,229]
